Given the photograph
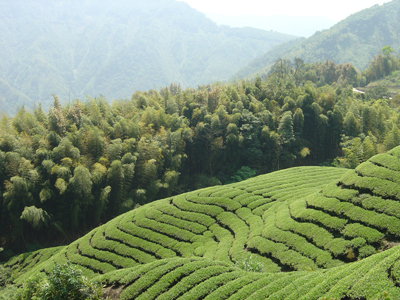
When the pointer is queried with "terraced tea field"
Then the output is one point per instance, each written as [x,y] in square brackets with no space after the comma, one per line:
[315,231]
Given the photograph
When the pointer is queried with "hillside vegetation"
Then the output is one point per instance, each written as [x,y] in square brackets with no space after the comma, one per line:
[157,196]
[354,40]
[66,171]
[113,48]
[389,85]
[314,232]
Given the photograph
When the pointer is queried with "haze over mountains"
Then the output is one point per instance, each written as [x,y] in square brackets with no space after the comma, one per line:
[113,48]
[303,26]
[356,40]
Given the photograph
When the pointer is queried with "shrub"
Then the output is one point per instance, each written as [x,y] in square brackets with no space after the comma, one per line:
[7,292]
[242,174]
[250,264]
[366,251]
[31,288]
[64,282]
[5,276]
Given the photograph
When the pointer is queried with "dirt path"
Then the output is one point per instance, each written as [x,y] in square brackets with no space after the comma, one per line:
[358,91]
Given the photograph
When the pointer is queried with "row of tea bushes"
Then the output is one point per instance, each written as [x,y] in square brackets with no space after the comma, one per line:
[311,221]
[198,278]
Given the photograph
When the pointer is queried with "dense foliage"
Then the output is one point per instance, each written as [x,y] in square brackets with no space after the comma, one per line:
[73,48]
[64,282]
[81,164]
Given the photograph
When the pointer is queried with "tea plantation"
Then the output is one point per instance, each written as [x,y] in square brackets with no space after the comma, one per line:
[311,232]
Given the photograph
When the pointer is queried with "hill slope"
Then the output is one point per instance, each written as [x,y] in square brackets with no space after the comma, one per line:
[188,245]
[391,82]
[356,40]
[214,223]
[73,48]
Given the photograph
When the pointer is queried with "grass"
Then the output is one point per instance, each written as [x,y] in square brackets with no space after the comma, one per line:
[392,82]
[314,232]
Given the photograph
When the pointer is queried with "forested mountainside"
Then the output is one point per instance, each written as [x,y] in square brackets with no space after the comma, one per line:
[113,48]
[354,40]
[67,170]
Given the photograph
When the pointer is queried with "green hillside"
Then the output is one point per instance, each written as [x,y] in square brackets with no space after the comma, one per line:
[390,82]
[113,48]
[316,231]
[354,40]
[65,171]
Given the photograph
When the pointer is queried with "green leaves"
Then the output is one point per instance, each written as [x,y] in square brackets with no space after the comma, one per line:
[65,281]
[81,185]
[5,274]
[285,128]
[36,217]
[17,194]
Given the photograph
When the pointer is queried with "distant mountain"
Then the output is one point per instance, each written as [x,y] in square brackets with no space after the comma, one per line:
[113,48]
[304,26]
[356,40]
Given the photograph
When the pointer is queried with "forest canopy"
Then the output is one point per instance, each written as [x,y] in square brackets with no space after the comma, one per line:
[78,165]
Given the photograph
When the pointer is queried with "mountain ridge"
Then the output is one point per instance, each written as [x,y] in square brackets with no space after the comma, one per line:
[302,26]
[354,40]
[73,49]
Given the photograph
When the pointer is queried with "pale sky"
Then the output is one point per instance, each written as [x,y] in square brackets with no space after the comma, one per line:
[335,10]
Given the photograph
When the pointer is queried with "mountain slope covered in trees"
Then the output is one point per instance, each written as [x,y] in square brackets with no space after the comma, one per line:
[81,164]
[113,48]
[354,40]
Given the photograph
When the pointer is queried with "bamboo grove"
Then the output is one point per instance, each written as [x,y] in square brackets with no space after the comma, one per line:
[80,164]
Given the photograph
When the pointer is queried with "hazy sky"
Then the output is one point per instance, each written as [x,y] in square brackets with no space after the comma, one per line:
[335,10]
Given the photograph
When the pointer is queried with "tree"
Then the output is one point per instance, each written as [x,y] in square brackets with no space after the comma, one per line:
[351,125]
[298,121]
[353,153]
[56,118]
[285,128]
[36,217]
[369,119]
[368,148]
[66,149]
[95,143]
[335,130]
[392,138]
[283,68]
[115,179]
[299,72]
[169,182]
[16,197]
[382,65]
[114,150]
[387,50]
[80,185]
